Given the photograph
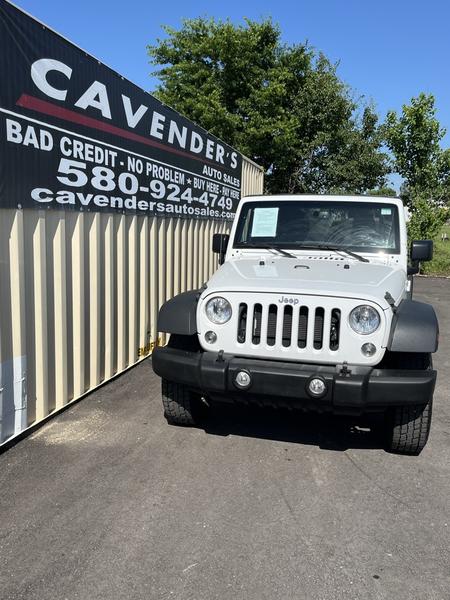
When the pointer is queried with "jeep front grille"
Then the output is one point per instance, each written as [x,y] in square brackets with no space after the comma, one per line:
[288,326]
[303,328]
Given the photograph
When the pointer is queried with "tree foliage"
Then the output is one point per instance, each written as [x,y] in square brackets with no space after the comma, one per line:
[383,191]
[283,106]
[414,139]
[426,219]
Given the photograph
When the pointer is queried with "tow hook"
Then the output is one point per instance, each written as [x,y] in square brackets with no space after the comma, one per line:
[345,371]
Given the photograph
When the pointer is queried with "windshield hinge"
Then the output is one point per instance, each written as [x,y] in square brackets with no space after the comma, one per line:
[390,300]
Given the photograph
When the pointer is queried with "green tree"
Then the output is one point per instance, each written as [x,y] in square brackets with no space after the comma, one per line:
[383,191]
[283,106]
[414,139]
[426,219]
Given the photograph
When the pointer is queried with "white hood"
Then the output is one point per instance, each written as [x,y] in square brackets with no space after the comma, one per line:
[325,277]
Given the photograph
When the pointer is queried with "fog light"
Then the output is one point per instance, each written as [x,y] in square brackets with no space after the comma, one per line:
[317,387]
[210,337]
[243,379]
[368,349]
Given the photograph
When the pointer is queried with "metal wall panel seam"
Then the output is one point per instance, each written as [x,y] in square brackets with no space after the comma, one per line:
[109,304]
[184,253]
[60,308]
[169,258]
[40,316]
[78,306]
[176,257]
[94,300]
[154,260]
[18,316]
[144,325]
[121,291]
[133,297]
[162,265]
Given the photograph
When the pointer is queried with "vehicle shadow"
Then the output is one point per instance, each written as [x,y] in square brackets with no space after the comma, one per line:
[328,432]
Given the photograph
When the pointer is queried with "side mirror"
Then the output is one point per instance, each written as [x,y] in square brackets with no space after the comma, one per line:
[421,250]
[219,245]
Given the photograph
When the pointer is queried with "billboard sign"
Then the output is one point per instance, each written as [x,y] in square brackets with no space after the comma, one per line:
[76,135]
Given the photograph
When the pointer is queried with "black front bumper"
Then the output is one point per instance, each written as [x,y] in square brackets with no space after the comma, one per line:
[349,389]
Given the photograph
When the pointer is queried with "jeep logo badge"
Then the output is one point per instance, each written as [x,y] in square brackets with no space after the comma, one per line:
[286,300]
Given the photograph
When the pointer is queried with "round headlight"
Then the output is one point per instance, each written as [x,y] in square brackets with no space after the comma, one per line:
[364,319]
[218,310]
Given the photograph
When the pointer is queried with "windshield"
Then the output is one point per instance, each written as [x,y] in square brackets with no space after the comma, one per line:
[358,226]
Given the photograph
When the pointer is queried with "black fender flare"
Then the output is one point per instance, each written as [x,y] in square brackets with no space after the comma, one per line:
[178,315]
[414,328]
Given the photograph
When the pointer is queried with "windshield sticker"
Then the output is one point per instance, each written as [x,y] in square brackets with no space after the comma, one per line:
[386,211]
[265,222]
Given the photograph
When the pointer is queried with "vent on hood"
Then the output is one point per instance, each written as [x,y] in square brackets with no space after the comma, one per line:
[325,257]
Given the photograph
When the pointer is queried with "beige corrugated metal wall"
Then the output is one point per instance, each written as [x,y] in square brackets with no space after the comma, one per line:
[252,181]
[79,296]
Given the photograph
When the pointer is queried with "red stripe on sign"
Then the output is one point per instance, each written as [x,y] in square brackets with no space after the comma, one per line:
[47,108]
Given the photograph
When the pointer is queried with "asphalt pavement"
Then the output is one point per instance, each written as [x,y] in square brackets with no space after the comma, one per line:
[107,501]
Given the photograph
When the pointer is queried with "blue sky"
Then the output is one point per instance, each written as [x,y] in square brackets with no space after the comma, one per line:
[388,51]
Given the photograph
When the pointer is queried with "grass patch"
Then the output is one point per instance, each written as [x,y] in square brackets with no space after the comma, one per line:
[440,265]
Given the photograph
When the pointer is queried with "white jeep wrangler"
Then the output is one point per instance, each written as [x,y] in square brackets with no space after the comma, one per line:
[311,308]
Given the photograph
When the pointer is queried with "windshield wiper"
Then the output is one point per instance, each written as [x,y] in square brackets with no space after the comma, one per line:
[270,247]
[334,249]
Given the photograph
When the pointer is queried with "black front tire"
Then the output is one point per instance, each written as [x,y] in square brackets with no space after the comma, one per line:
[408,426]
[179,404]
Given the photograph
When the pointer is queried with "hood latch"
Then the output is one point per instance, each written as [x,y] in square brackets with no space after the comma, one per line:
[390,300]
